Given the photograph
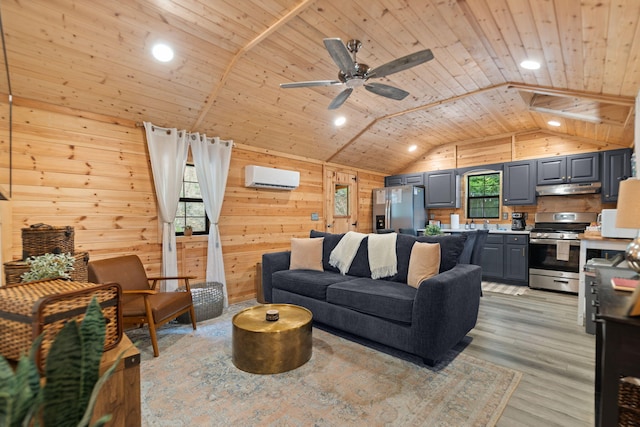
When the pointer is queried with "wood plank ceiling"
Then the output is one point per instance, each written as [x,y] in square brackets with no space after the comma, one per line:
[232,55]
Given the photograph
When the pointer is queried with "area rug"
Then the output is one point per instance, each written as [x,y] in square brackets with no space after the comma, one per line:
[501,288]
[194,382]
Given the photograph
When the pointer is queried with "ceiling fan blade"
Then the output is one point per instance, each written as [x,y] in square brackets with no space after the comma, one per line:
[339,100]
[386,91]
[311,83]
[340,55]
[401,64]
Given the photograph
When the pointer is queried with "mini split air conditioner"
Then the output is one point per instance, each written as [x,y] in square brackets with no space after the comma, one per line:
[278,179]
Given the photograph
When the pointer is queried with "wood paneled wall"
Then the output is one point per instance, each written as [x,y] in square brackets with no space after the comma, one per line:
[93,173]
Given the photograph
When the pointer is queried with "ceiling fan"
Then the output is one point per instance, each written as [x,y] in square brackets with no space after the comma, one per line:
[352,74]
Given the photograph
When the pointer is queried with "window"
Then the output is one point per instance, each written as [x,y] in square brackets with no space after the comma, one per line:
[191,210]
[483,195]
[341,200]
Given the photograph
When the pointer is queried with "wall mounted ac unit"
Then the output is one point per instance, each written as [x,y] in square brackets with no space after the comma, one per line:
[263,177]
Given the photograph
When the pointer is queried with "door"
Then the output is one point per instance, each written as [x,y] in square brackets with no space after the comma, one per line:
[341,200]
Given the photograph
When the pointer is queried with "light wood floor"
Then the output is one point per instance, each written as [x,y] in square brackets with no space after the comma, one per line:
[537,334]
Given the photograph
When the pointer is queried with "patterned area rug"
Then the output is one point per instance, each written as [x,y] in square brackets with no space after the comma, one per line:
[501,288]
[194,382]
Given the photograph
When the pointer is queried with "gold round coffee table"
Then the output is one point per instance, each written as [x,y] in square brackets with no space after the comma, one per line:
[263,346]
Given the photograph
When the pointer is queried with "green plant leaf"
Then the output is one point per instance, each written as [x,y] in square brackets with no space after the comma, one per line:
[92,334]
[63,371]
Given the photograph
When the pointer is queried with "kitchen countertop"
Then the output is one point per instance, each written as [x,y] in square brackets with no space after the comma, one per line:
[491,231]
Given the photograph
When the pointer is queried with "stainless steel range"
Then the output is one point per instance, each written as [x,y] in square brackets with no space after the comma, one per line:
[554,250]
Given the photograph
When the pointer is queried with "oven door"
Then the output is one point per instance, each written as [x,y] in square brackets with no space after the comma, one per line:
[543,255]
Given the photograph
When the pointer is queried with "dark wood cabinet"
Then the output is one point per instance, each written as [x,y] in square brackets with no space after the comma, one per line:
[442,189]
[519,183]
[616,167]
[617,348]
[505,258]
[404,179]
[575,168]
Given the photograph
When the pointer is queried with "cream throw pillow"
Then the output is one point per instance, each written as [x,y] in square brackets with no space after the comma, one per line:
[306,254]
[423,263]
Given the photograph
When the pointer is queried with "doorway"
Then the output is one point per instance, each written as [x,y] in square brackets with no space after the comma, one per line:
[341,200]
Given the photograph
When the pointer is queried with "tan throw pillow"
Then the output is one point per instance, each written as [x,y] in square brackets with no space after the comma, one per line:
[306,254]
[423,263]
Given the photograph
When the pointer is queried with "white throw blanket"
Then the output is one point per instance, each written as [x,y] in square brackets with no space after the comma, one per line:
[382,255]
[345,251]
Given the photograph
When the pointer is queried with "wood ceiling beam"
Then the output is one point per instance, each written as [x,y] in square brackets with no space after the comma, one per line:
[542,90]
[208,102]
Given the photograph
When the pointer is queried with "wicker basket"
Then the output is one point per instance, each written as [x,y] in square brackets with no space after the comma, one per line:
[40,239]
[14,269]
[629,402]
[28,309]
[208,301]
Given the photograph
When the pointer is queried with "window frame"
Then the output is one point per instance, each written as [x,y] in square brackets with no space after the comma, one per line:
[191,200]
[468,196]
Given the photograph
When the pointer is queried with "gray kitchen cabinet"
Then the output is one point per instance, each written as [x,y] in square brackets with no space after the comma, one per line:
[516,262]
[575,168]
[493,257]
[404,179]
[505,258]
[519,183]
[442,190]
[616,167]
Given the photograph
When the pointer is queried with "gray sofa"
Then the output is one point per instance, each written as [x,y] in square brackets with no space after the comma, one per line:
[426,321]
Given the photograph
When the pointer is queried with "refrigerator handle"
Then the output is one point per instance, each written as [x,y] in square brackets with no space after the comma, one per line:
[387,214]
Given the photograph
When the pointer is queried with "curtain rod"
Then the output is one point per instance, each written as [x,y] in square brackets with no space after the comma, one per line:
[141,125]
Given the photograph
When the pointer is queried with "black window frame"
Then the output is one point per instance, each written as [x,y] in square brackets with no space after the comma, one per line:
[497,197]
[191,200]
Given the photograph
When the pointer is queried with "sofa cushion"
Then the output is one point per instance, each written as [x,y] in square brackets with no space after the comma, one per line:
[424,262]
[309,283]
[360,264]
[306,254]
[451,247]
[380,298]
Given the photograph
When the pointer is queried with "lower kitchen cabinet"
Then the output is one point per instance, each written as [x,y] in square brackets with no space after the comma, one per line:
[505,258]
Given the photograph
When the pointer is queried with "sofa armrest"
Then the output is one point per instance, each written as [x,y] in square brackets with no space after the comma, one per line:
[271,263]
[445,309]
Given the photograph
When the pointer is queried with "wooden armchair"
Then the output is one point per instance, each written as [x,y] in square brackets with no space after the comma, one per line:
[141,302]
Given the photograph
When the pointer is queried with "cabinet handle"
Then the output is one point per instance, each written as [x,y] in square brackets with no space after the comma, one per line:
[522,251]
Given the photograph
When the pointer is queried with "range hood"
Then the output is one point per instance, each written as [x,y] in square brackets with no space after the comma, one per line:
[568,189]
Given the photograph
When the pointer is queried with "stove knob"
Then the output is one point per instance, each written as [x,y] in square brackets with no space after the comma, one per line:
[545,235]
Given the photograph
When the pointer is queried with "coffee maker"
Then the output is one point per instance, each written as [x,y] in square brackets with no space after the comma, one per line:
[517,221]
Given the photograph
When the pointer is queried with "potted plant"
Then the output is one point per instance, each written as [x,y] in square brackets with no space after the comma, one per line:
[48,266]
[188,230]
[72,378]
[432,230]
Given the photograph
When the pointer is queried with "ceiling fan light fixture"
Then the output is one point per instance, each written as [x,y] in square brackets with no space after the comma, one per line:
[529,64]
[554,123]
[339,121]
[162,52]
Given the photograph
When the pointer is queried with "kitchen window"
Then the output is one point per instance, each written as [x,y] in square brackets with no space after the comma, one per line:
[191,210]
[483,195]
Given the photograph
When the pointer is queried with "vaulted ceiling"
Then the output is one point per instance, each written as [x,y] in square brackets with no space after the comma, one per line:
[232,55]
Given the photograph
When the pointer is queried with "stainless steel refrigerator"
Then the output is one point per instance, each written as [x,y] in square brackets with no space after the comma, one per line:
[399,207]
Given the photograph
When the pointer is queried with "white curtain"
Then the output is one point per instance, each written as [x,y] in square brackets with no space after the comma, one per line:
[212,157]
[168,150]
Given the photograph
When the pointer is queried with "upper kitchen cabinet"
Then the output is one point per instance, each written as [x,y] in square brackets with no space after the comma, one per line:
[575,168]
[616,167]
[442,189]
[519,183]
[404,179]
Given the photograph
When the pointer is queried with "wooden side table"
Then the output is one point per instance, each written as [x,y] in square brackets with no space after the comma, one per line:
[120,395]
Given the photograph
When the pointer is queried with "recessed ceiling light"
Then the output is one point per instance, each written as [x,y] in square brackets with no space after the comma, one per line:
[413,148]
[530,65]
[162,52]
[553,123]
[340,121]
